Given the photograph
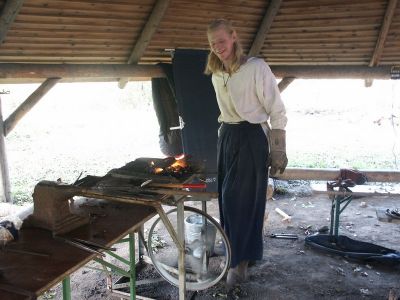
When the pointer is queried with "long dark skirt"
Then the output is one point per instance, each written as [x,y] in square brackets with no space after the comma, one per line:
[242,185]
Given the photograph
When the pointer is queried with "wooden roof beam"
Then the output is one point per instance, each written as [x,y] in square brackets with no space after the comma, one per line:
[149,29]
[380,43]
[77,71]
[8,14]
[266,23]
[27,72]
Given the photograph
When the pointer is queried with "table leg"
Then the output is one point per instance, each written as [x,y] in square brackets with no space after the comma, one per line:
[132,271]
[66,288]
[181,261]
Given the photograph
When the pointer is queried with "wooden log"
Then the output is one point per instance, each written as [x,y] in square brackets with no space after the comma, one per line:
[387,20]
[27,105]
[8,14]
[5,191]
[332,72]
[285,82]
[266,23]
[380,43]
[22,71]
[75,71]
[332,174]
[149,29]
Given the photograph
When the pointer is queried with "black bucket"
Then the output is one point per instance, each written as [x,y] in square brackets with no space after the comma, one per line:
[347,247]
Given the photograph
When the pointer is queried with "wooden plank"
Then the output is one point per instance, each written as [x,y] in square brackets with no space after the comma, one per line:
[8,14]
[83,21]
[380,43]
[5,190]
[285,82]
[266,23]
[28,104]
[149,29]
[332,174]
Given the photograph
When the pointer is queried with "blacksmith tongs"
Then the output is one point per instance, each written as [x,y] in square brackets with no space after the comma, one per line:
[288,236]
[86,245]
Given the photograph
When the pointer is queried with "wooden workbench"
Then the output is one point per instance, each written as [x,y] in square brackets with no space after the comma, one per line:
[26,276]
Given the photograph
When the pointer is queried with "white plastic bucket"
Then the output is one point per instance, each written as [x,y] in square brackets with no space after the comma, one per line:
[194,229]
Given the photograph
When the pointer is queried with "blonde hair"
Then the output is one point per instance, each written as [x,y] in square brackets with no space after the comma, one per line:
[214,64]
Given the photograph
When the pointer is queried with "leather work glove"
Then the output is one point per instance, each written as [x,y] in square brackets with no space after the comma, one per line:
[278,160]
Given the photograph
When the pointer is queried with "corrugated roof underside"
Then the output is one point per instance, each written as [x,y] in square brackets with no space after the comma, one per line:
[303,32]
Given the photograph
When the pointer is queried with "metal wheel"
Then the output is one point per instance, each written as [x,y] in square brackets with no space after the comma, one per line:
[207,250]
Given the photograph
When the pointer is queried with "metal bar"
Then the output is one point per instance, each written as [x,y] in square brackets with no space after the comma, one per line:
[337,213]
[132,271]
[348,199]
[120,258]
[123,241]
[66,288]
[123,295]
[112,267]
[169,227]
[181,260]
[96,269]
[332,216]
[141,242]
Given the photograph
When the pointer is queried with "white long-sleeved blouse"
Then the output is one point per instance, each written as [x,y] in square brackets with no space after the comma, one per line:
[250,94]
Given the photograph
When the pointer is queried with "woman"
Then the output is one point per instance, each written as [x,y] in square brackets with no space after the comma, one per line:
[248,98]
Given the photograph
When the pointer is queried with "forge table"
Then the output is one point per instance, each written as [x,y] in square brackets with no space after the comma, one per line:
[26,276]
[121,202]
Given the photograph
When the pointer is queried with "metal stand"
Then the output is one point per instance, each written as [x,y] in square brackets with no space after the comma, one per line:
[337,201]
[66,288]
[336,211]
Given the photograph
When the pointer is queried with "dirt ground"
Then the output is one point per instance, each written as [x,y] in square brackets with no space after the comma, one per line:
[289,269]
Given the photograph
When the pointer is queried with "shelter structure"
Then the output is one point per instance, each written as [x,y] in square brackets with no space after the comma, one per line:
[86,40]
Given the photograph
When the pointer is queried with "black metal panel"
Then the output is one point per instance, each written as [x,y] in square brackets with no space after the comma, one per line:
[198,108]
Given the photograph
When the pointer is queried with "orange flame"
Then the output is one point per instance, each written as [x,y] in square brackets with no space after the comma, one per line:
[181,163]
[158,170]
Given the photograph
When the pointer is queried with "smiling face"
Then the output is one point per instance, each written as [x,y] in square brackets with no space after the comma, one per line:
[222,43]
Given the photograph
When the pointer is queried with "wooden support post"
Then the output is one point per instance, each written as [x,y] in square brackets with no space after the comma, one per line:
[8,14]
[5,191]
[266,23]
[380,43]
[27,105]
[149,29]
[284,83]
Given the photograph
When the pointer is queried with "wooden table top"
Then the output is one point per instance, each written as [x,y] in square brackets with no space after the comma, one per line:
[25,276]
